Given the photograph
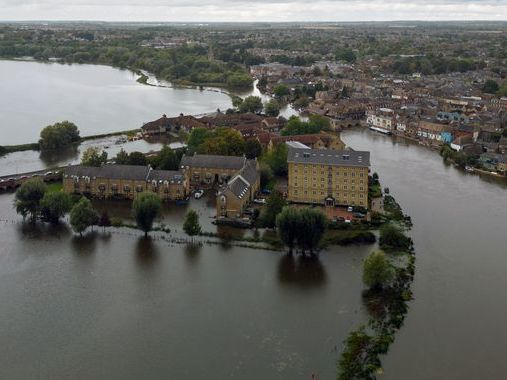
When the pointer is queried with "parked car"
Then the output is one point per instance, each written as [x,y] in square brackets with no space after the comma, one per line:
[198,194]
[350,209]
[260,201]
[48,174]
[266,191]
[359,215]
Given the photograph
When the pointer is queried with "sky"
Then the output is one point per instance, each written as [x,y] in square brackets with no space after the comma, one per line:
[253,10]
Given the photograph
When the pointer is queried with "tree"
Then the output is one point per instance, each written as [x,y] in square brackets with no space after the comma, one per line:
[197,137]
[253,148]
[315,124]
[314,224]
[272,108]
[251,104]
[93,157]
[58,136]
[281,90]
[28,198]
[503,90]
[122,157]
[266,174]
[393,238]
[167,159]
[145,208]
[104,220]
[223,141]
[138,159]
[277,159]
[490,87]
[288,224]
[83,215]
[54,205]
[274,206]
[377,270]
[191,224]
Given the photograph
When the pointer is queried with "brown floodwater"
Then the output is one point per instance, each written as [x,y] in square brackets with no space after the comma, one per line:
[455,326]
[116,305]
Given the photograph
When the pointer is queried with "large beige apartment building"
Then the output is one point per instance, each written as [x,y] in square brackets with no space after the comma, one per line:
[328,177]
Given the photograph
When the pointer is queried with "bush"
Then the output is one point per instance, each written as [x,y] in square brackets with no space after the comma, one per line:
[377,270]
[392,238]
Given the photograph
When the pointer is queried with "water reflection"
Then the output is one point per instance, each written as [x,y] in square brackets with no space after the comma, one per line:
[192,251]
[301,271]
[45,231]
[84,245]
[146,252]
[55,158]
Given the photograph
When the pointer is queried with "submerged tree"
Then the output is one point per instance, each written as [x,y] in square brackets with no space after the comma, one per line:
[28,198]
[83,215]
[377,270]
[146,208]
[288,223]
[54,206]
[191,224]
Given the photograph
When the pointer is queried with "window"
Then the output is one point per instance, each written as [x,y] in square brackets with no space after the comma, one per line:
[139,189]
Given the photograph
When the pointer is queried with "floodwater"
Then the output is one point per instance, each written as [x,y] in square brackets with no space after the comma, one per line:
[115,305]
[455,326]
[98,99]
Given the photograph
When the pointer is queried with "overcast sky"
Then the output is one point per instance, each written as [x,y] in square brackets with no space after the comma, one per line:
[253,10]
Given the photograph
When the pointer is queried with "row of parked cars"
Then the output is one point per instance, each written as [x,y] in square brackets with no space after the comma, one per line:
[25,177]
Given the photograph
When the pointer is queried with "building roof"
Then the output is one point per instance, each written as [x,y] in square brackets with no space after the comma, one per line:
[329,157]
[124,172]
[212,161]
[172,176]
[128,172]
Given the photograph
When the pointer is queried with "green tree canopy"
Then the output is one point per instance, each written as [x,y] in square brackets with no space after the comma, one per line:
[393,238]
[253,148]
[191,224]
[281,90]
[272,108]
[146,208]
[167,159]
[377,270]
[288,223]
[315,124]
[94,157]
[251,104]
[197,137]
[314,224]
[28,198]
[276,159]
[274,206]
[54,205]
[223,141]
[83,215]
[122,157]
[138,159]
[490,87]
[58,136]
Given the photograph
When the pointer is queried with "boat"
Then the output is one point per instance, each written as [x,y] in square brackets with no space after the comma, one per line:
[381,130]
[469,169]
[181,202]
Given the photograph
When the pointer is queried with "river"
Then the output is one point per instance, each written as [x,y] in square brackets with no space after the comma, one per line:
[455,326]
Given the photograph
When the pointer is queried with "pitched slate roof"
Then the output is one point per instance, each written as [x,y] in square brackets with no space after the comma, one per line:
[125,172]
[128,172]
[329,157]
[241,182]
[212,161]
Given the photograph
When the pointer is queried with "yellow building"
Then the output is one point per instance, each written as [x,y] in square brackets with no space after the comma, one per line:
[328,177]
[124,181]
[206,170]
